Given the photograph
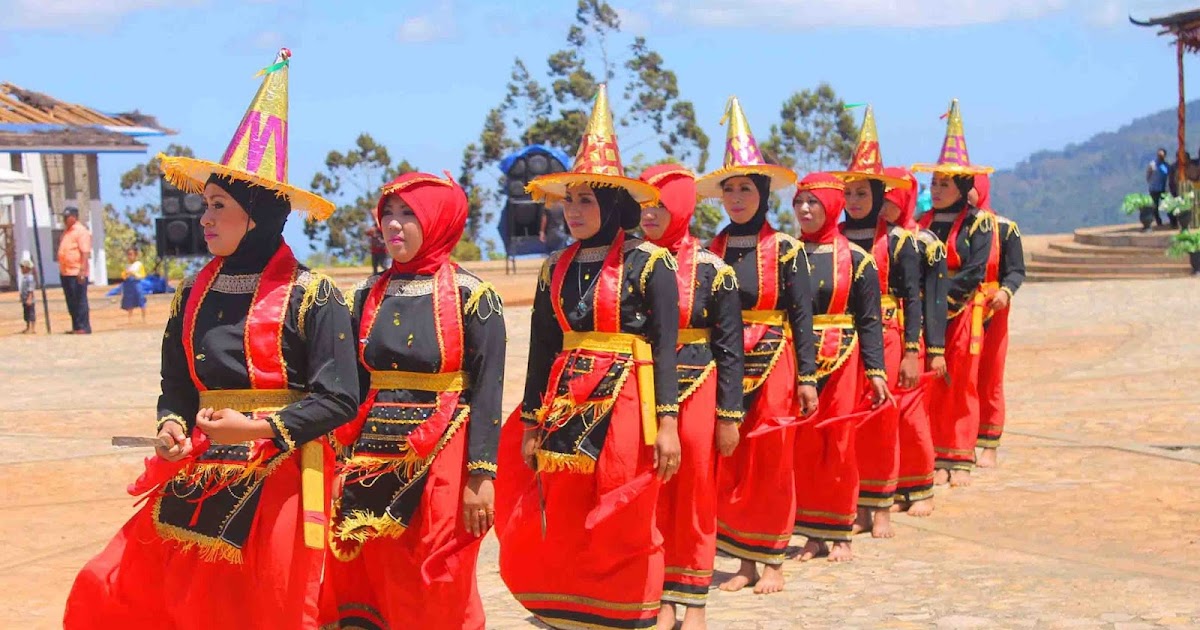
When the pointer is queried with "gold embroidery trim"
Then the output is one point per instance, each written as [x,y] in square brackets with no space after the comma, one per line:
[912,345]
[666,409]
[730,414]
[250,400]
[935,350]
[877,372]
[862,266]
[588,601]
[725,279]
[482,465]
[282,430]
[420,381]
[158,426]
[655,256]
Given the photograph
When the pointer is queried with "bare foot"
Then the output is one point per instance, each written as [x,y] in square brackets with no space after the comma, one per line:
[666,616]
[941,477]
[694,619]
[813,549]
[772,580]
[899,506]
[862,522]
[921,508]
[882,525]
[745,576]
[987,458]
[960,479]
[841,552]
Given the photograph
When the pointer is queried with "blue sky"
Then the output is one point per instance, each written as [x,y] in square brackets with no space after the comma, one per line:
[419,76]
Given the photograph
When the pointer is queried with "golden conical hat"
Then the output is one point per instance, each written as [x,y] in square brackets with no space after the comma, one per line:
[742,156]
[954,159]
[867,162]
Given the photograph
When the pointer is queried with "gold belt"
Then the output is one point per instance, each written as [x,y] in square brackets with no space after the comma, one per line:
[889,301]
[823,321]
[770,318]
[688,336]
[421,381]
[250,400]
[636,346]
[312,454]
[890,309]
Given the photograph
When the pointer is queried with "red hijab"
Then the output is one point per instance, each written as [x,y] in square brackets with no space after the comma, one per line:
[904,198]
[983,188]
[830,190]
[677,187]
[441,209]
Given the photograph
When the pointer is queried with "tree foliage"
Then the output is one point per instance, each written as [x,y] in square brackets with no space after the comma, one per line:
[133,224]
[815,132]
[351,180]
[553,110]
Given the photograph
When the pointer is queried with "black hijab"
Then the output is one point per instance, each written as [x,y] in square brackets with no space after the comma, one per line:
[965,184]
[755,224]
[269,212]
[618,211]
[872,218]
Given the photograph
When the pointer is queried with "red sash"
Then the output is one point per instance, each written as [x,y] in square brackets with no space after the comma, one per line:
[766,257]
[687,260]
[447,318]
[843,265]
[606,300]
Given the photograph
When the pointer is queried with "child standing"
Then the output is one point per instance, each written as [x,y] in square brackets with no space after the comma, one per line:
[131,287]
[27,285]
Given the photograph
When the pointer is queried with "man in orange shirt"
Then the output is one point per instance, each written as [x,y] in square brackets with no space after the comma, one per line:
[74,267]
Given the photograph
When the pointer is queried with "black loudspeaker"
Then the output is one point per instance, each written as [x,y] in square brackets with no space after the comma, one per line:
[521,219]
[177,232]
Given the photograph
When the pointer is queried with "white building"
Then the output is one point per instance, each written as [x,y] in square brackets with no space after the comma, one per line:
[49,155]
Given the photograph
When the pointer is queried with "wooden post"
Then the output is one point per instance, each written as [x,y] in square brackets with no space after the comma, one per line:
[1181,168]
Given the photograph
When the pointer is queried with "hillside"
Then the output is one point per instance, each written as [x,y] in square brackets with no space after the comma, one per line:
[1083,184]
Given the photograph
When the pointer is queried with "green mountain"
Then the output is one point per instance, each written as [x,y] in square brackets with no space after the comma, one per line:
[1083,184]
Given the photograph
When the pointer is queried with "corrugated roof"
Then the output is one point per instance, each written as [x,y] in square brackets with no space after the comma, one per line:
[36,122]
[18,105]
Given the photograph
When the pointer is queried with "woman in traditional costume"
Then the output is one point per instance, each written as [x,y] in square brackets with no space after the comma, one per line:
[850,355]
[967,233]
[257,367]
[1008,274]
[914,489]
[579,547]
[420,457]
[895,254]
[710,394]
[756,505]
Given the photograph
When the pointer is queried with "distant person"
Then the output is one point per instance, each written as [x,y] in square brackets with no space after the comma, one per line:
[1157,172]
[131,284]
[378,250]
[553,231]
[27,285]
[924,200]
[74,267]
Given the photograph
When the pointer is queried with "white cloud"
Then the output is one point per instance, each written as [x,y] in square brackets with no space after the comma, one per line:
[267,40]
[433,26]
[633,22]
[65,14]
[826,13]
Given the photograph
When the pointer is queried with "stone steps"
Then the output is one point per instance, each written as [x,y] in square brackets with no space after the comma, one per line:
[1110,252]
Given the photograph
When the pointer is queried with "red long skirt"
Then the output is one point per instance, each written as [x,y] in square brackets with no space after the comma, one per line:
[878,441]
[687,505]
[954,406]
[826,464]
[143,581]
[916,444]
[609,576]
[755,485]
[383,586]
[991,379]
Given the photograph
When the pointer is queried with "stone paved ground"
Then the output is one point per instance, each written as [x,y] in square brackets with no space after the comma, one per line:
[1092,520]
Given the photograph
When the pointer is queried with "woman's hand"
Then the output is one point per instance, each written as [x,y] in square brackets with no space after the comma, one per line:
[529,447]
[808,399]
[667,452]
[227,426]
[999,301]
[181,444]
[879,392]
[937,363]
[910,369]
[479,504]
[728,436]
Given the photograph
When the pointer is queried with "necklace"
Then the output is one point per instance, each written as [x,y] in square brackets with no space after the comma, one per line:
[582,306]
